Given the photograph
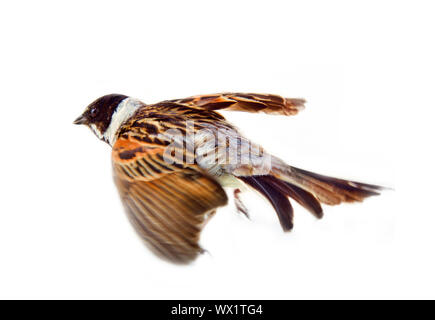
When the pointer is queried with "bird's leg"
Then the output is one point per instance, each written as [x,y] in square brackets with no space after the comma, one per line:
[241,208]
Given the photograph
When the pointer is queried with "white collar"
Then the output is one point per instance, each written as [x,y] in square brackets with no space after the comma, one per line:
[125,110]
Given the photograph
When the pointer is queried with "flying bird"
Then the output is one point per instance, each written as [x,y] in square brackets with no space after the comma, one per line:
[172,160]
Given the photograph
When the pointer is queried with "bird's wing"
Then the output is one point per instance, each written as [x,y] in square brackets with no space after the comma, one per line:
[168,204]
[247,102]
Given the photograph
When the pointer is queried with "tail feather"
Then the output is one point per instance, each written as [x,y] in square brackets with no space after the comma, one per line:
[308,189]
[329,190]
[278,199]
[304,198]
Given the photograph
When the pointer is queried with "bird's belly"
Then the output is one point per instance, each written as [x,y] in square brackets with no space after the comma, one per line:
[230,181]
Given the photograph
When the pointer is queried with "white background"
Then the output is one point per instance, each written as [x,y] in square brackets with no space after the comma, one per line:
[367,70]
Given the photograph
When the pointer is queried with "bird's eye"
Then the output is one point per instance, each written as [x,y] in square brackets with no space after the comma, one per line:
[94,112]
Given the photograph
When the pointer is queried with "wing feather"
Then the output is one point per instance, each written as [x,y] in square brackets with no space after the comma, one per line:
[168,205]
[247,102]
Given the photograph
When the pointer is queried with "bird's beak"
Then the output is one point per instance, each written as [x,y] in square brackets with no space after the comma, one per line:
[80,120]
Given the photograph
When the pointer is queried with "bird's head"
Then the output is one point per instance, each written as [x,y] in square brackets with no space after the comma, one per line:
[105,115]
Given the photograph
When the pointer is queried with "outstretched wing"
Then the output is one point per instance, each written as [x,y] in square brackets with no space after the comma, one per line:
[247,102]
[168,204]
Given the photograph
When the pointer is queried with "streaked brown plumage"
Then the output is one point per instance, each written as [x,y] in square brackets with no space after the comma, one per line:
[169,202]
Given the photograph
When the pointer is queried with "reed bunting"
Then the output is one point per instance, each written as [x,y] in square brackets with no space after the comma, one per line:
[172,159]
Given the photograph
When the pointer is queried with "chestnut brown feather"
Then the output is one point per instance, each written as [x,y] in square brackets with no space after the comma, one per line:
[247,102]
[168,206]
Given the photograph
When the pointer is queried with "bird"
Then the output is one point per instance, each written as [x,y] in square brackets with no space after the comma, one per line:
[173,160]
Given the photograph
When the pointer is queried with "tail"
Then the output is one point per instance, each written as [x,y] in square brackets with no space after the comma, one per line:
[308,189]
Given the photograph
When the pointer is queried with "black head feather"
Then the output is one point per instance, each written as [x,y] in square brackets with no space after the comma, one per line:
[99,113]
